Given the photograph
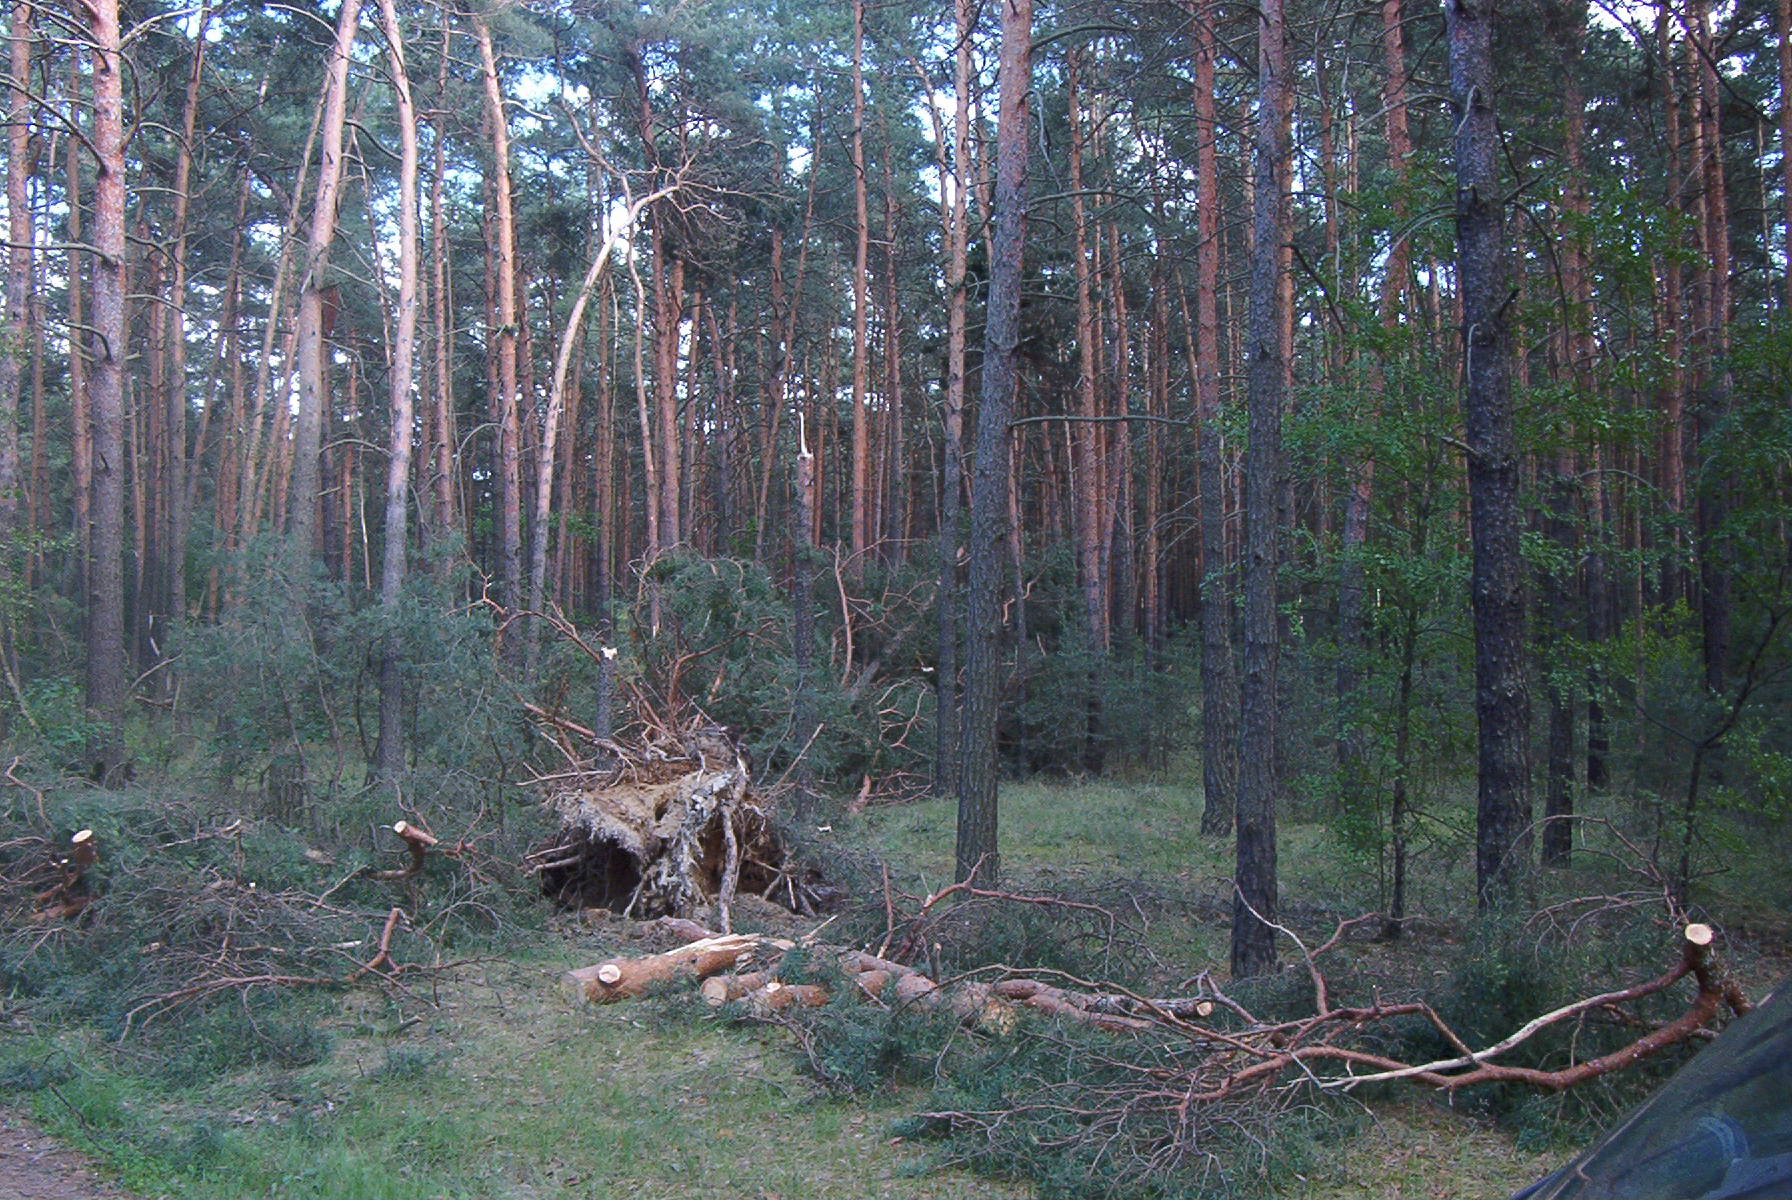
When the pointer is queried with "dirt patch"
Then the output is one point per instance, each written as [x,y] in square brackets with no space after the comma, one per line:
[35,1166]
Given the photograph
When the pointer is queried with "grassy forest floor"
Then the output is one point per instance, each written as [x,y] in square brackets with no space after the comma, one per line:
[487,1082]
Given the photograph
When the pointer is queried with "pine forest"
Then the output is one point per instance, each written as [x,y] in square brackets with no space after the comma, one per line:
[1145,594]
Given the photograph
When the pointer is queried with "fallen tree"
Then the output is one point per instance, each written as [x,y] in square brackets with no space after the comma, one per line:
[1241,1056]
[664,822]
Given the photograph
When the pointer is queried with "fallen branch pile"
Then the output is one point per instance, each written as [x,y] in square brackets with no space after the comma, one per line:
[181,902]
[220,976]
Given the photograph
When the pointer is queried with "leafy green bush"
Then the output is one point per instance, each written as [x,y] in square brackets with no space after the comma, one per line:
[52,729]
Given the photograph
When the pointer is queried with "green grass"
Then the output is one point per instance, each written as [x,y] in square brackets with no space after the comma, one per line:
[504,1091]
[1075,834]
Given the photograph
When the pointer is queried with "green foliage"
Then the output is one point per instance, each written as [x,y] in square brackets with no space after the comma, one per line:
[288,688]
[1067,1109]
[724,643]
[857,1048]
[52,728]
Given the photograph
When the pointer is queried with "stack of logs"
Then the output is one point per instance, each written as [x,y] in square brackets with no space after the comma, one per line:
[743,968]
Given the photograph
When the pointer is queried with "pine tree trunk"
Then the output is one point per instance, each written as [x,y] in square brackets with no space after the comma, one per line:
[19,269]
[105,396]
[443,442]
[861,423]
[175,514]
[80,397]
[1219,677]
[302,492]
[509,463]
[389,752]
[1711,503]
[976,850]
[1118,495]
[1157,406]
[948,744]
[1502,699]
[1254,908]
[1086,435]
[896,499]
[1672,327]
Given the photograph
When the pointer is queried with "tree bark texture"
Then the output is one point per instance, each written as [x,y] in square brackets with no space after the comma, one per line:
[105,391]
[1502,696]
[948,742]
[1253,941]
[1086,434]
[302,492]
[15,336]
[976,850]
[861,301]
[1219,674]
[389,751]
[504,340]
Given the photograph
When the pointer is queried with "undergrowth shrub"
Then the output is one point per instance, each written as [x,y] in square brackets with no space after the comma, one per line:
[855,1048]
[723,640]
[283,690]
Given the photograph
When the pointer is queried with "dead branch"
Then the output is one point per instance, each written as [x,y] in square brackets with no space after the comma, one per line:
[419,842]
[12,779]
[220,977]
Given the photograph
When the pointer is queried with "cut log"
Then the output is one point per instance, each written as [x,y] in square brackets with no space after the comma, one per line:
[873,982]
[681,927]
[623,978]
[1056,1002]
[84,851]
[419,842]
[776,997]
[718,990]
[993,1006]
[69,896]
